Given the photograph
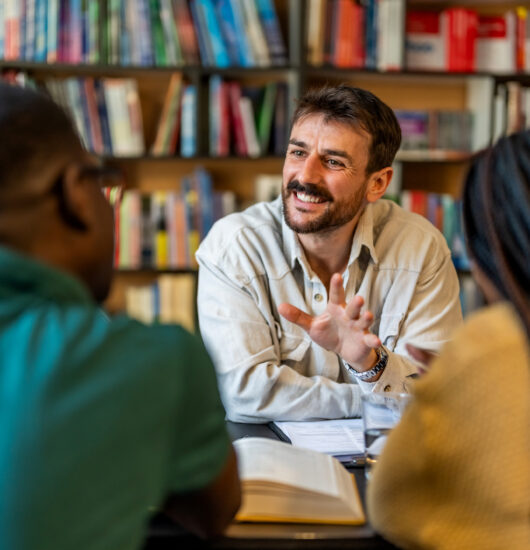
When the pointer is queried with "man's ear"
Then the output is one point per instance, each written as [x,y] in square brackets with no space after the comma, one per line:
[72,200]
[378,183]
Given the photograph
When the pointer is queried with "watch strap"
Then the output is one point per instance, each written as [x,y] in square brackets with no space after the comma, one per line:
[382,360]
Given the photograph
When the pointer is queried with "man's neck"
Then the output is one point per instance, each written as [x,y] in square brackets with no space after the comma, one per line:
[329,252]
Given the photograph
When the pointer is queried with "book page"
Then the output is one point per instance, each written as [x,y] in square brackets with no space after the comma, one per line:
[278,462]
[334,437]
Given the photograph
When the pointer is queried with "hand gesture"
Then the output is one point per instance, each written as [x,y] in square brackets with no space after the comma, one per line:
[342,328]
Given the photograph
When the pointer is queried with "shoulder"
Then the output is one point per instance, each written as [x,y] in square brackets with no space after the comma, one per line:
[406,239]
[243,241]
[260,219]
[131,349]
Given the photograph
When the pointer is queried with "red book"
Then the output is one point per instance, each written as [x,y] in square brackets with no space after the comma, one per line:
[234,93]
[343,33]
[460,32]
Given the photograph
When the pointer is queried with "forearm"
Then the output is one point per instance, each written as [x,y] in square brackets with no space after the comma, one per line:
[267,392]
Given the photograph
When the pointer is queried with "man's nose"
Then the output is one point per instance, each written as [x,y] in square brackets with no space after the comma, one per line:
[311,170]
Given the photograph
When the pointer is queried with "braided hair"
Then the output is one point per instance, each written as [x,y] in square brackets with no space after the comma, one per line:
[496,215]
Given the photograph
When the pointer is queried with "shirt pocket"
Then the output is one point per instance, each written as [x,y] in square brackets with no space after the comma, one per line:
[293,349]
[389,329]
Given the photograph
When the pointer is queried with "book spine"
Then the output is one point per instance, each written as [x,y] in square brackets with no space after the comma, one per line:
[215,38]
[271,27]
[52,41]
[188,138]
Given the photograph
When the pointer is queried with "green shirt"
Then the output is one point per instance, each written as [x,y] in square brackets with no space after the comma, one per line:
[99,419]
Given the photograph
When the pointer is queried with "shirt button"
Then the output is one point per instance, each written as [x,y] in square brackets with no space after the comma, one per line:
[318,297]
[387,388]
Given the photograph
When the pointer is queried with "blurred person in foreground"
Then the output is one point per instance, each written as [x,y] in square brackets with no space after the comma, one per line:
[99,419]
[455,473]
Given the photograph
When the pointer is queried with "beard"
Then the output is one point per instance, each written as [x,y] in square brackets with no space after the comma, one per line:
[336,214]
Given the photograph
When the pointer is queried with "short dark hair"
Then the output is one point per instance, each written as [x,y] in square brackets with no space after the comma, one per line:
[33,129]
[496,216]
[360,109]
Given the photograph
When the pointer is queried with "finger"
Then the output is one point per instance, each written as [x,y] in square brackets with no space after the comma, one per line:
[295,315]
[365,321]
[336,290]
[372,340]
[420,355]
[353,308]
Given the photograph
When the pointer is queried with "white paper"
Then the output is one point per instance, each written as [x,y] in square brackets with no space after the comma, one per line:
[340,438]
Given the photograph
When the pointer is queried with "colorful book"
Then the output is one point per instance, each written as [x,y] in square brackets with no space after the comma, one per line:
[273,34]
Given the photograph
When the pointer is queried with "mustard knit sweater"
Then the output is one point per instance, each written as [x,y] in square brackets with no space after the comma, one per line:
[455,473]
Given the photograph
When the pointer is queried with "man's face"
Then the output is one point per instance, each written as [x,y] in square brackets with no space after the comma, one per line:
[324,175]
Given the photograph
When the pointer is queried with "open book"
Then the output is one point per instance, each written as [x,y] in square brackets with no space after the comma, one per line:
[282,483]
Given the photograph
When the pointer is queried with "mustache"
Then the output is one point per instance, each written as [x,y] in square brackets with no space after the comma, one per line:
[309,189]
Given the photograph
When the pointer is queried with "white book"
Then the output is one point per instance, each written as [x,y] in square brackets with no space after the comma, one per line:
[496,44]
[282,483]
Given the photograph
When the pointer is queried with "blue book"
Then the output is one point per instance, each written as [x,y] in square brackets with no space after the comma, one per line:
[41,31]
[103,117]
[371,34]
[201,32]
[125,49]
[273,33]
[236,44]
[214,35]
[144,34]
[52,31]
[245,47]
[188,125]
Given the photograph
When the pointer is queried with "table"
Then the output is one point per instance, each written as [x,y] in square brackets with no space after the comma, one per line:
[164,535]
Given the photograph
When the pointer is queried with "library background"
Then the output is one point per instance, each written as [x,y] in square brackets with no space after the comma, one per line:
[191,100]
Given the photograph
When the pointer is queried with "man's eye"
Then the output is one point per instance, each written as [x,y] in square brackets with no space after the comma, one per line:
[333,162]
[297,153]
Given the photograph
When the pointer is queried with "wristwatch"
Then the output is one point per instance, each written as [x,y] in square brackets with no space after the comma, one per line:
[382,360]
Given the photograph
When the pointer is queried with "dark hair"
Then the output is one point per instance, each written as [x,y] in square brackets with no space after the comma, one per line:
[33,129]
[496,212]
[360,109]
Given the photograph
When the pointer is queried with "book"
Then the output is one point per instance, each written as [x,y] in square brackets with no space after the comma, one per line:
[273,34]
[459,27]
[424,45]
[496,43]
[282,483]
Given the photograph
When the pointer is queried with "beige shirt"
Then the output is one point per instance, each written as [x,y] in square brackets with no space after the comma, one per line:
[455,473]
[268,368]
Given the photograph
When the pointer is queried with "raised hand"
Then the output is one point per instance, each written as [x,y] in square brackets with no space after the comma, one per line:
[342,328]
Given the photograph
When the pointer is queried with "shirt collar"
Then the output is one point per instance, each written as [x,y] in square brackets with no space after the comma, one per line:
[364,237]
[22,274]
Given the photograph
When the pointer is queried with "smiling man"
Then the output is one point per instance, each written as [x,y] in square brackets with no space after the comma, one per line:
[308,301]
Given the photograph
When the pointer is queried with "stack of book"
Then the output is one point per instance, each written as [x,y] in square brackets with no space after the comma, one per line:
[444,212]
[143,32]
[162,230]
[247,121]
[354,34]
[459,39]
[442,130]
[169,299]
[51,31]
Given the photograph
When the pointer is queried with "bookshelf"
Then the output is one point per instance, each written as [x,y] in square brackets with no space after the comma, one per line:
[434,170]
